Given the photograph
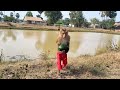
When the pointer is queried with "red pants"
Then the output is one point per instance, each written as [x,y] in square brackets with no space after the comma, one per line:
[61,60]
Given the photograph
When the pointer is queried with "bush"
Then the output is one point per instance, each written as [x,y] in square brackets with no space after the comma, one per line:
[86,24]
[9,19]
[107,24]
[44,55]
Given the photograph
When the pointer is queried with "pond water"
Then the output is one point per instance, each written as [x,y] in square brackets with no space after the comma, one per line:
[31,43]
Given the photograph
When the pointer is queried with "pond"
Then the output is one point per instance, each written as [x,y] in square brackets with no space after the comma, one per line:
[31,43]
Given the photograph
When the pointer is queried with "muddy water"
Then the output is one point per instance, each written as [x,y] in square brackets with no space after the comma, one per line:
[31,43]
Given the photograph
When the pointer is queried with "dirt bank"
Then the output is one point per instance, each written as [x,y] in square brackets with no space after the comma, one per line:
[104,66]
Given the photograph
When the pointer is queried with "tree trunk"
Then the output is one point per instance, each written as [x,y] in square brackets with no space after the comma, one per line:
[94,26]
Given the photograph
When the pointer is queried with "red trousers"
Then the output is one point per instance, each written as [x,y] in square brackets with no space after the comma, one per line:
[61,60]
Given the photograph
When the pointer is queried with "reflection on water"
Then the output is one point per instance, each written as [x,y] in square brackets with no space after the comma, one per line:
[8,35]
[31,43]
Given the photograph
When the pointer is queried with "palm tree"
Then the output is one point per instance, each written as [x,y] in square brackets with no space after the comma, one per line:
[17,15]
[1,13]
[14,13]
[11,14]
[38,16]
[102,14]
[4,14]
[105,14]
[40,12]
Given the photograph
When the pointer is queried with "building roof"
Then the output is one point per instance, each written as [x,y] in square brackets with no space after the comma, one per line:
[26,18]
[117,24]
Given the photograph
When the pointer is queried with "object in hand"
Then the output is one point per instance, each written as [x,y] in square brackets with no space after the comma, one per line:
[63,48]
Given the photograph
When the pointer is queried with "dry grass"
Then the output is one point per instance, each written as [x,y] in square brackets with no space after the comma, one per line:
[104,66]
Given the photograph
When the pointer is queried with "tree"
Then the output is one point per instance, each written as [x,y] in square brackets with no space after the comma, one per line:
[4,14]
[60,22]
[40,12]
[94,21]
[108,24]
[9,19]
[38,16]
[53,16]
[103,14]
[66,21]
[11,14]
[1,13]
[72,15]
[17,15]
[5,18]
[14,13]
[86,23]
[29,14]
[110,14]
[76,18]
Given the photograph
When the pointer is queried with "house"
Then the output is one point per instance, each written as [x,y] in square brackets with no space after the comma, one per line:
[117,25]
[34,20]
[71,25]
[94,26]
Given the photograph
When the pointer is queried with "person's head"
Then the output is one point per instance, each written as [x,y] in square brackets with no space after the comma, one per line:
[66,32]
[62,32]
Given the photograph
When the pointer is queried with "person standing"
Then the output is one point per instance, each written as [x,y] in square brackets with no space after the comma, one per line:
[63,42]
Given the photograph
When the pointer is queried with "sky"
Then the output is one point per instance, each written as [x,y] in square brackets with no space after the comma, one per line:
[87,14]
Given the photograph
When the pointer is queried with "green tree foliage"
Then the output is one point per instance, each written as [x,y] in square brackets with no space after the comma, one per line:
[17,15]
[110,14]
[66,21]
[60,22]
[38,16]
[76,18]
[8,19]
[107,24]
[1,13]
[29,14]
[40,12]
[53,16]
[86,23]
[95,21]
[11,14]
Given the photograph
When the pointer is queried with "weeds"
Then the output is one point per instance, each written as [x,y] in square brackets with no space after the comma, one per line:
[108,48]
[44,55]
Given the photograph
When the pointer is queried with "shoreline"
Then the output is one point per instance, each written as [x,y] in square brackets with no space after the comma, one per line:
[104,66]
[55,28]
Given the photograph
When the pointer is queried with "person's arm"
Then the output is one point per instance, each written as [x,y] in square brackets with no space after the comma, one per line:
[58,40]
[68,41]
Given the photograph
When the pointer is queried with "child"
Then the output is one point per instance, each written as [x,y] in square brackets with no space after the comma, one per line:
[63,40]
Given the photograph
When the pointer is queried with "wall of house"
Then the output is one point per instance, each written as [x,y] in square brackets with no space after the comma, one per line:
[117,27]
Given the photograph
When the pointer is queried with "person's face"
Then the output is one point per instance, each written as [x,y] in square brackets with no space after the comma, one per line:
[62,32]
